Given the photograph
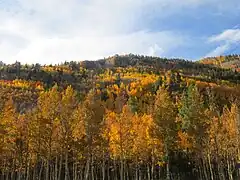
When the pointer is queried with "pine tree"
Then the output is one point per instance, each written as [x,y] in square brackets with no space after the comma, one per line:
[194,124]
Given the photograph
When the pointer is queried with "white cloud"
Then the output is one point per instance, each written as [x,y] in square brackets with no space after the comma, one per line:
[229,35]
[155,50]
[218,51]
[57,30]
[227,39]
[85,47]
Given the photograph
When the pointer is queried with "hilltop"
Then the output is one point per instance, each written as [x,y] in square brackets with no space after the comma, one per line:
[85,75]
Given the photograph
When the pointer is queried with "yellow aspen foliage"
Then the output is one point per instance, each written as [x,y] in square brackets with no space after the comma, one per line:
[119,133]
[184,142]
[230,137]
[8,129]
[44,126]
[144,144]
[78,130]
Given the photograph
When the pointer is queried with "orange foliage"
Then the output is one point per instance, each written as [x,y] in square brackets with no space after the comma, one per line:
[22,84]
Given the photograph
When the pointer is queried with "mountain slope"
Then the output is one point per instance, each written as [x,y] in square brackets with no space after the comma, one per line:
[124,116]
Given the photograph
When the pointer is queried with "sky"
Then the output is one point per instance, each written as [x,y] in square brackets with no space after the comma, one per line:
[54,31]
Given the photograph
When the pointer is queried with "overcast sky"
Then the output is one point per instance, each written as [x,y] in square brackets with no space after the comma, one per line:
[52,31]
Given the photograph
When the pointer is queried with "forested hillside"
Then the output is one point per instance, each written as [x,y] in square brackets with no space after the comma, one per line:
[119,118]
[230,61]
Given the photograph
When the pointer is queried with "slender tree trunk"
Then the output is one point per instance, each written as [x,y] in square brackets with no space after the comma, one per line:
[19,175]
[115,171]
[40,172]
[136,171]
[222,174]
[127,171]
[103,165]
[92,168]
[168,165]
[47,169]
[200,172]
[121,170]
[87,169]
[159,172]
[66,166]
[210,166]
[230,177]
[13,170]
[140,174]
[148,173]
[35,172]
[220,171]
[108,170]
[75,171]
[56,168]
[152,169]
[204,169]
[7,175]
[60,168]
[52,172]
[80,174]
[28,167]
[3,170]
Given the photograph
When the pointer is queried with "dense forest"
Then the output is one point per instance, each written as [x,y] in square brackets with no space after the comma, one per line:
[125,117]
